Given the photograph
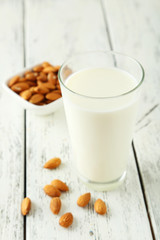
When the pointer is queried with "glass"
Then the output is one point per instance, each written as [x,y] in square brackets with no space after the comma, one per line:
[101,127]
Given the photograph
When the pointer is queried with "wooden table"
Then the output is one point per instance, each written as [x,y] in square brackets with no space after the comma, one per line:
[34,31]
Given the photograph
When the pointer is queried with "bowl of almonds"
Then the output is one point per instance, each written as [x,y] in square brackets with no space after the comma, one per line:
[36,88]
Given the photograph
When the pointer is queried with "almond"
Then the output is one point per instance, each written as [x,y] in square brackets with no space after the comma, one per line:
[83,200]
[58,82]
[66,220]
[58,86]
[58,91]
[31,83]
[31,76]
[25,206]
[48,101]
[52,163]
[53,96]
[57,67]
[46,85]
[38,68]
[32,89]
[100,207]
[26,94]
[46,64]
[41,103]
[22,79]
[41,80]
[36,98]
[60,185]
[42,77]
[52,78]
[49,69]
[29,71]
[52,191]
[55,205]
[13,81]
[42,90]
[19,87]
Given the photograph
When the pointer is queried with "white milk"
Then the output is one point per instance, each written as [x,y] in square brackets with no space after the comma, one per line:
[100,128]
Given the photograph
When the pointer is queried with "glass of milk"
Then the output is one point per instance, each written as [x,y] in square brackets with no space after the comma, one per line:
[101,93]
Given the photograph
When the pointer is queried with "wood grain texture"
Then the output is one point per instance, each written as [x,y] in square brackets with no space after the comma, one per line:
[126,212]
[66,27]
[147,142]
[11,124]
[134,30]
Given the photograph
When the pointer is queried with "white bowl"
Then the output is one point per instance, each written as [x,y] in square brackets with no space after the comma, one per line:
[39,110]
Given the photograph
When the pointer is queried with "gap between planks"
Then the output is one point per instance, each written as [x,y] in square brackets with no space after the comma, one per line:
[25,117]
[143,189]
[25,174]
[133,147]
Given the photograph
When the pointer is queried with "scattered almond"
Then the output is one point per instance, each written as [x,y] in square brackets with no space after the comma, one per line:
[100,207]
[52,163]
[60,185]
[55,205]
[25,206]
[52,191]
[36,98]
[66,220]
[83,200]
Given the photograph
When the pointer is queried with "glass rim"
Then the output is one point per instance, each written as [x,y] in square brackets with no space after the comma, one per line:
[105,52]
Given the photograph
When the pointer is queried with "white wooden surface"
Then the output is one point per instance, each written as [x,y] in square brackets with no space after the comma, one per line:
[53,31]
[11,124]
[135,30]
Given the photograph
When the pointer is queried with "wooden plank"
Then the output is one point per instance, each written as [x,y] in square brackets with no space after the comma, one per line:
[135,30]
[147,142]
[66,27]
[11,124]
[126,215]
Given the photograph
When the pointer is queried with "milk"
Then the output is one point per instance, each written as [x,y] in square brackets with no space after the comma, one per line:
[100,118]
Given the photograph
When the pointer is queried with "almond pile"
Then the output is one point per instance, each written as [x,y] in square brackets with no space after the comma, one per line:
[54,190]
[39,86]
